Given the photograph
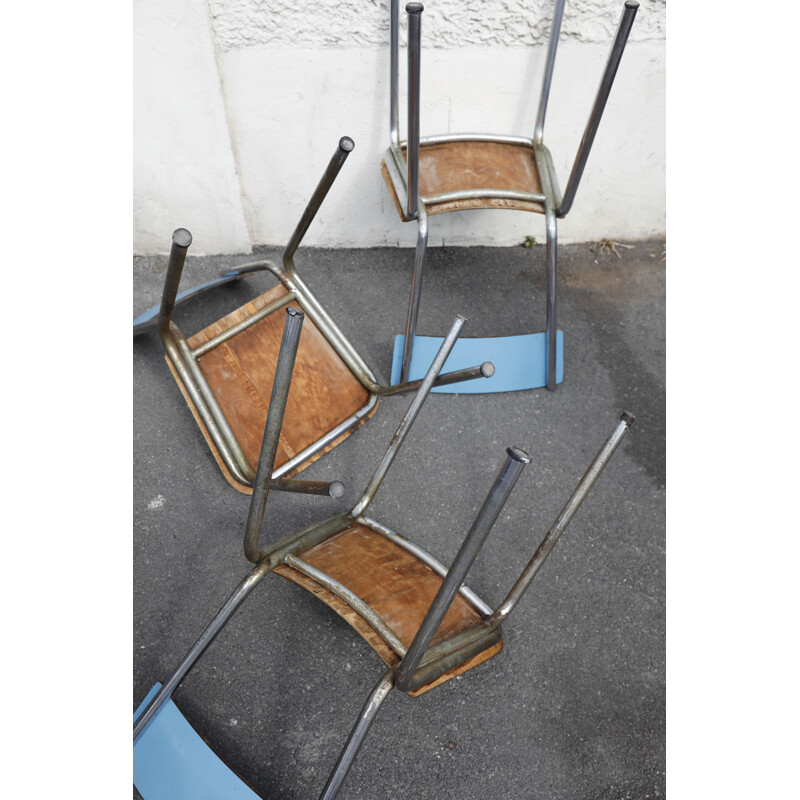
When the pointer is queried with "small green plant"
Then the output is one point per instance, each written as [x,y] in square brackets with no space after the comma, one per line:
[530,241]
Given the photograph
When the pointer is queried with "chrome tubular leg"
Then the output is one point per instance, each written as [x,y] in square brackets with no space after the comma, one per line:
[414,11]
[208,636]
[408,419]
[552,299]
[272,430]
[567,513]
[346,145]
[357,736]
[552,46]
[501,489]
[416,292]
[394,72]
[323,488]
[485,370]
[615,56]
[181,239]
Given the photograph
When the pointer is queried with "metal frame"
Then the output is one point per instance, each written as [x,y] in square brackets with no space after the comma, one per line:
[420,663]
[184,360]
[404,171]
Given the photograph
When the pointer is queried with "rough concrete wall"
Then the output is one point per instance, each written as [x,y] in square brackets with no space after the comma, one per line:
[448,23]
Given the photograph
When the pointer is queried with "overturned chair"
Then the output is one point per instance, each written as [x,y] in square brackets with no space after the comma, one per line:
[455,172]
[225,371]
[416,614]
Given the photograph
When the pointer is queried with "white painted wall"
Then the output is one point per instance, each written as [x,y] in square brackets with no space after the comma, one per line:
[184,174]
[298,74]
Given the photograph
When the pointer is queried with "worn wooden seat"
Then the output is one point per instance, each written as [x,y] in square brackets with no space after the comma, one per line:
[457,166]
[240,371]
[397,585]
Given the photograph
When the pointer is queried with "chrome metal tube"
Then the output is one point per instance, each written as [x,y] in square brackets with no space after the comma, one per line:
[483,637]
[414,11]
[368,614]
[550,60]
[492,506]
[416,292]
[485,370]
[397,167]
[358,734]
[572,505]
[192,380]
[408,420]
[543,157]
[552,298]
[441,138]
[615,56]
[272,430]
[208,636]
[181,239]
[331,436]
[324,488]
[320,317]
[229,333]
[149,319]
[210,410]
[480,194]
[346,145]
[394,72]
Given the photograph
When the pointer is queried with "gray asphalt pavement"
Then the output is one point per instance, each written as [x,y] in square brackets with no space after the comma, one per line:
[574,706]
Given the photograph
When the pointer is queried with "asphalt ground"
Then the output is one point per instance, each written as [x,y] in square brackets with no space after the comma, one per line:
[574,705]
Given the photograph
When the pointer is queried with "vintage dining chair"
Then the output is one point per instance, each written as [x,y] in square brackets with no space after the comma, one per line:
[225,371]
[416,614]
[453,172]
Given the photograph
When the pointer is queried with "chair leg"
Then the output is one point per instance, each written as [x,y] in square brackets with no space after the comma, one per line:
[357,736]
[214,627]
[416,290]
[552,305]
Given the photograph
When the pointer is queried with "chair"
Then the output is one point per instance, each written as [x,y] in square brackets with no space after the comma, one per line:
[416,614]
[225,371]
[453,172]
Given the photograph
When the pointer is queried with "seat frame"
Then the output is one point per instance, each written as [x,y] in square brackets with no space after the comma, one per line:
[422,665]
[401,167]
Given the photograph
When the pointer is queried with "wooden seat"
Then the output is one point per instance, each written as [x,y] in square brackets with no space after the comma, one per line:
[469,165]
[240,373]
[395,584]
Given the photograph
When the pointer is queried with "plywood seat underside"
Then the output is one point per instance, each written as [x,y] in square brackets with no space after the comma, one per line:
[392,582]
[463,165]
[240,372]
